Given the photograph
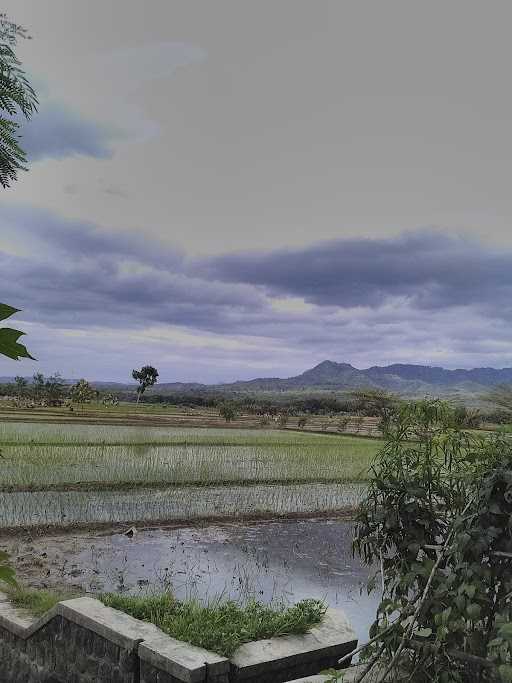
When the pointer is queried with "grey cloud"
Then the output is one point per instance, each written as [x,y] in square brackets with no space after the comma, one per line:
[415,298]
[56,132]
[429,268]
[81,275]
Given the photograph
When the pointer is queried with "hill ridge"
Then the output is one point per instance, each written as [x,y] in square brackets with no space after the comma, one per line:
[402,378]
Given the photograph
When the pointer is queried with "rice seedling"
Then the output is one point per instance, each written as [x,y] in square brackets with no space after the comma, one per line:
[65,508]
[64,474]
[177,457]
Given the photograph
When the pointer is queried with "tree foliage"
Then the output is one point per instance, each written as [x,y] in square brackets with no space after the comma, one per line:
[228,411]
[82,392]
[17,97]
[54,388]
[437,524]
[147,376]
[373,402]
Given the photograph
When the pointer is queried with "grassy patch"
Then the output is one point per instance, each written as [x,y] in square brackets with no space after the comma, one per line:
[36,601]
[219,626]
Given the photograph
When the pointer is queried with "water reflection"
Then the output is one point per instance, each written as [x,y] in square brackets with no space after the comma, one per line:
[270,561]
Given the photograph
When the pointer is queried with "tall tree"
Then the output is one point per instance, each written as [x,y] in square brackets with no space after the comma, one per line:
[146,377]
[54,388]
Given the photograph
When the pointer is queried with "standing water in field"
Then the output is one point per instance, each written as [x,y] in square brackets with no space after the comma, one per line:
[269,561]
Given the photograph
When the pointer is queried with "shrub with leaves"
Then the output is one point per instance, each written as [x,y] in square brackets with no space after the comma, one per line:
[437,525]
[82,392]
[228,411]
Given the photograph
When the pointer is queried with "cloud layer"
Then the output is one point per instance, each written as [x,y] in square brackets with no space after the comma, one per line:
[428,268]
[419,297]
[56,132]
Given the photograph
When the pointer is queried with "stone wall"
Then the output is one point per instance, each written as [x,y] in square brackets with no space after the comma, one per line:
[82,641]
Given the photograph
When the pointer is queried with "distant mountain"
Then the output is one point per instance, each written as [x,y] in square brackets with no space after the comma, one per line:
[401,378]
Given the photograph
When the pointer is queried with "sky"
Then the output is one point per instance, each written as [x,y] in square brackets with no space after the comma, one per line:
[235,189]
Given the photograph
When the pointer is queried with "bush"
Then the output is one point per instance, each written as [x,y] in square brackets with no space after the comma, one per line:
[436,523]
[228,411]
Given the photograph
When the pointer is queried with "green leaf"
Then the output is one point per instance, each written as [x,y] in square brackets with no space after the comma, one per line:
[9,345]
[6,311]
[505,631]
[506,672]
[423,632]
[469,589]
[473,611]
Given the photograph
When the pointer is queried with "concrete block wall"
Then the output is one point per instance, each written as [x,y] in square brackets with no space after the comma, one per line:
[82,641]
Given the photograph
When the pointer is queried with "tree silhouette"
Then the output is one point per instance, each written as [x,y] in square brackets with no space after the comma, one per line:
[146,377]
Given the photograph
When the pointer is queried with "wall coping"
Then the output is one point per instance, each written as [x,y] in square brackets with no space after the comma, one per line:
[182,660]
[186,662]
[322,640]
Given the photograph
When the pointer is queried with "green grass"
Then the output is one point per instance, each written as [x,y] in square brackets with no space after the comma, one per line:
[49,457]
[504,429]
[37,602]
[220,626]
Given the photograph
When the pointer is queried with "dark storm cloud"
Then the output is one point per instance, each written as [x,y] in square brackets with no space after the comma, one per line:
[79,240]
[56,132]
[78,275]
[429,268]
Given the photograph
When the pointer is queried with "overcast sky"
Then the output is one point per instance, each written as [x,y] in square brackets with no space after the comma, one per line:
[238,188]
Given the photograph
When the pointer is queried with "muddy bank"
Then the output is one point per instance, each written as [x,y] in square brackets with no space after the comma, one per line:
[49,530]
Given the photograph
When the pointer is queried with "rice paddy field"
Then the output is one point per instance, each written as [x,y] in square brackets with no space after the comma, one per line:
[53,474]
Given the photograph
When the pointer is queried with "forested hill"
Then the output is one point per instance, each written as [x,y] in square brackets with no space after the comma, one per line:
[402,378]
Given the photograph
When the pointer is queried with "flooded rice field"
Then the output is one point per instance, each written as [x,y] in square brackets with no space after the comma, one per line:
[67,508]
[270,561]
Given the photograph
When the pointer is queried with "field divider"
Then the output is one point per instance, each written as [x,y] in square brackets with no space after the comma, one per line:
[160,486]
